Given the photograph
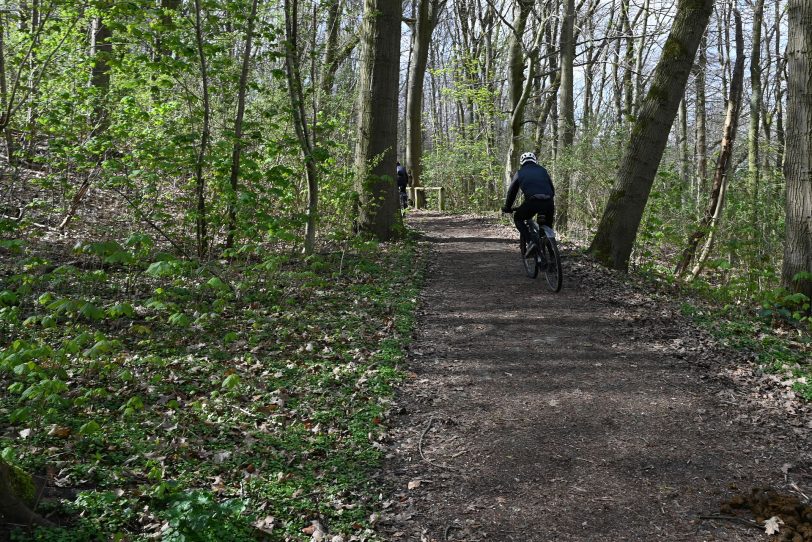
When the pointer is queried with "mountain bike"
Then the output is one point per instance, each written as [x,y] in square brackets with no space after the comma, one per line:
[544,256]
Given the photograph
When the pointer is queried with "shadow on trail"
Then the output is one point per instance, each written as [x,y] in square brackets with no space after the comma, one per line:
[497,240]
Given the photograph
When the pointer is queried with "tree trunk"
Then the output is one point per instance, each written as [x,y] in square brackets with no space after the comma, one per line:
[755,110]
[377,134]
[4,106]
[701,149]
[236,150]
[713,212]
[780,72]
[201,235]
[425,20]
[516,82]
[566,110]
[101,49]
[306,143]
[682,145]
[17,497]
[617,231]
[798,161]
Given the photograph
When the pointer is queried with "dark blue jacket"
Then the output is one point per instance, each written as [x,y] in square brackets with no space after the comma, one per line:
[403,177]
[534,182]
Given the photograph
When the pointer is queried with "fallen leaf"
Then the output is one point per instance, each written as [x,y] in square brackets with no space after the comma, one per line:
[218,486]
[59,431]
[265,524]
[771,525]
[414,484]
[221,457]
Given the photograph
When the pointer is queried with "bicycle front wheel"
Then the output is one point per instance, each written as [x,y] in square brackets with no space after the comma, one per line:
[528,260]
[552,265]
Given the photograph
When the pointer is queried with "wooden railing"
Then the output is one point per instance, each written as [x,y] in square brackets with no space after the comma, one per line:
[413,190]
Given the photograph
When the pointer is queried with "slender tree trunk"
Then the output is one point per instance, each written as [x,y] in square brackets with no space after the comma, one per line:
[780,75]
[566,110]
[641,50]
[33,83]
[701,122]
[682,145]
[425,20]
[377,135]
[101,49]
[798,161]
[755,110]
[4,106]
[516,81]
[201,234]
[236,151]
[713,212]
[617,231]
[303,133]
[628,64]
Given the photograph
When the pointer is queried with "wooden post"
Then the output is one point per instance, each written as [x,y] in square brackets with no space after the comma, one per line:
[440,199]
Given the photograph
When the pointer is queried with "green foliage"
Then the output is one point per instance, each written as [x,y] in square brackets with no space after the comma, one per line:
[276,390]
[200,516]
[467,172]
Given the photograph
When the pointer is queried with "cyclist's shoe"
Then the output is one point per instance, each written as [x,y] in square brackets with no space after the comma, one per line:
[531,248]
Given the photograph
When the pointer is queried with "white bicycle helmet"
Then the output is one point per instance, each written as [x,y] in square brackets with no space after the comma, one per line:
[527,157]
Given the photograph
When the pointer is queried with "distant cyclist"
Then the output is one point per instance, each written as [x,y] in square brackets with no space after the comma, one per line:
[403,182]
[539,195]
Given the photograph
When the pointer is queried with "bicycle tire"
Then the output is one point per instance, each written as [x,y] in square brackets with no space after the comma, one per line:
[553,273]
[530,263]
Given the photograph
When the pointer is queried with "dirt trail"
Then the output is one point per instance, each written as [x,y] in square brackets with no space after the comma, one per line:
[591,414]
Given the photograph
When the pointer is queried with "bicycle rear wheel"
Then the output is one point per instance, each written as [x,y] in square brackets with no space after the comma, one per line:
[528,260]
[552,265]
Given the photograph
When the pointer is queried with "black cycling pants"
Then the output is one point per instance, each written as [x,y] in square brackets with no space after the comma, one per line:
[529,209]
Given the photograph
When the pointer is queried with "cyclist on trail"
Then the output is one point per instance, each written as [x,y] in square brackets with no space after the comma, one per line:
[403,182]
[539,195]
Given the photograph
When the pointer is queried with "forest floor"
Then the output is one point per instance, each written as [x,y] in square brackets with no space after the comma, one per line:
[597,413]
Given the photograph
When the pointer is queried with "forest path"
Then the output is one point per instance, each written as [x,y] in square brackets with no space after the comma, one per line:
[596,413]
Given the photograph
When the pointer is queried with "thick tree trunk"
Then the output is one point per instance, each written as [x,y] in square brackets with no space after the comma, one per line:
[566,110]
[617,231]
[377,138]
[425,20]
[798,161]
[713,212]
[17,498]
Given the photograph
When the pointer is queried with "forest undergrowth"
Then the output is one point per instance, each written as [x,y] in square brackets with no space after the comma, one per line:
[771,327]
[152,396]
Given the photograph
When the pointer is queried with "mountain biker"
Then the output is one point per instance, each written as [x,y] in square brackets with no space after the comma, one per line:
[539,196]
[403,182]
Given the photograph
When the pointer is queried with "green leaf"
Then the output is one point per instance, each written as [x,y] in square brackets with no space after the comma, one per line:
[231,381]
[121,309]
[160,269]
[179,319]
[91,312]
[7,297]
[8,455]
[89,428]
[217,284]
